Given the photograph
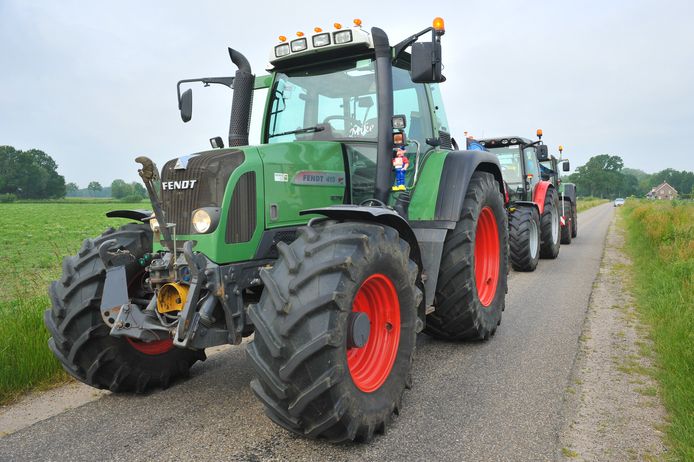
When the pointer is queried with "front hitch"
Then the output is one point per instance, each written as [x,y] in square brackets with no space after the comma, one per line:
[125,318]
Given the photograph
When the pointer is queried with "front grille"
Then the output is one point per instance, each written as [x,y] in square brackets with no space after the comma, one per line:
[211,171]
[242,213]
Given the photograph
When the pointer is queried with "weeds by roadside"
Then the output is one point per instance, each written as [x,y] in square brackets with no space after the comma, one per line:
[660,239]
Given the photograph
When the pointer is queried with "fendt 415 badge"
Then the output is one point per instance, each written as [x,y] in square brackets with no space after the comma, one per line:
[301,240]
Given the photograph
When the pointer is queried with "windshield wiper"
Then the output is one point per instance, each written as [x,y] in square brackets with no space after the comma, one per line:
[317,128]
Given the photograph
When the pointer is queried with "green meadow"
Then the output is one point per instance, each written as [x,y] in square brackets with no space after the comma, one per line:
[34,238]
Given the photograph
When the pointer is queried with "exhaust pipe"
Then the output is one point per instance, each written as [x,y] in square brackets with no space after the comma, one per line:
[244,81]
[384,83]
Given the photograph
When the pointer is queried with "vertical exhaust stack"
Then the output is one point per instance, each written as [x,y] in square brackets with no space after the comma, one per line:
[244,81]
[384,82]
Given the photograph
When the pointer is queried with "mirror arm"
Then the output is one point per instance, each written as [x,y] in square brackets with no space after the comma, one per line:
[400,47]
[226,81]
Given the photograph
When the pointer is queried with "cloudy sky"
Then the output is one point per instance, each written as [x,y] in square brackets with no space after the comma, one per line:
[93,83]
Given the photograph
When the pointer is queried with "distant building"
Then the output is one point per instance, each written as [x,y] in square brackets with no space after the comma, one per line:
[663,191]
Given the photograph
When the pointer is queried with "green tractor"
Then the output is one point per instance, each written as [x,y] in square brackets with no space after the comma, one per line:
[567,192]
[533,201]
[302,240]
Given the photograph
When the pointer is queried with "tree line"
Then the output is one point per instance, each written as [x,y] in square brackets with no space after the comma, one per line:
[33,174]
[605,176]
[29,174]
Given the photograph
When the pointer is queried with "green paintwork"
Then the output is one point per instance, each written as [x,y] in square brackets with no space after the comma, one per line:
[287,160]
[283,163]
[213,245]
[426,192]
[262,81]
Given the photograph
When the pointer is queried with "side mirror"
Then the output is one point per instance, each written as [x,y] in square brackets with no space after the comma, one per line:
[425,64]
[566,167]
[185,104]
[542,152]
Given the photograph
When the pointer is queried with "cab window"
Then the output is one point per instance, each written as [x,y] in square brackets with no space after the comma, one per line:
[410,99]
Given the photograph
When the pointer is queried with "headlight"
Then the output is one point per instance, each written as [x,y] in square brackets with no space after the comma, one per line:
[344,36]
[202,221]
[299,45]
[282,50]
[154,224]
[321,40]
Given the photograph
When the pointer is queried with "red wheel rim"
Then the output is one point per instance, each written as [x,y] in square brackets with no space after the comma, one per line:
[486,256]
[371,364]
[156,347]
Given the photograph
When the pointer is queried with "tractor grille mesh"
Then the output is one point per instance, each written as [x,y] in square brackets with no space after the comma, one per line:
[242,215]
[211,171]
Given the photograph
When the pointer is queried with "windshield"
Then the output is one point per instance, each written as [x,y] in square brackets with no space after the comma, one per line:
[324,103]
[509,158]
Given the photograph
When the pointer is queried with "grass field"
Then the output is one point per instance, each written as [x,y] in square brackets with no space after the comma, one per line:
[661,243]
[34,237]
[585,203]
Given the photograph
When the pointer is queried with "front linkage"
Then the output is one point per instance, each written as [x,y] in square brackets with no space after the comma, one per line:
[196,327]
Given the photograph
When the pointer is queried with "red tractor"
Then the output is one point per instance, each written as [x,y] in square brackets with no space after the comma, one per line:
[533,203]
[567,191]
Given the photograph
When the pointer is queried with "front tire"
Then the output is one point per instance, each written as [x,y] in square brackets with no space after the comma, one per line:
[568,224]
[471,288]
[524,238]
[79,337]
[549,226]
[310,375]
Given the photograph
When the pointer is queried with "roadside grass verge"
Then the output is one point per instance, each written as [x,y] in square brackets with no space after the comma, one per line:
[34,238]
[585,203]
[660,240]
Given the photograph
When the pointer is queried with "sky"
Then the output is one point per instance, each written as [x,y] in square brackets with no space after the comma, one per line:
[93,84]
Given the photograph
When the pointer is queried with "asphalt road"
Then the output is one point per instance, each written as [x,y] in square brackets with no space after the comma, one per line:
[497,400]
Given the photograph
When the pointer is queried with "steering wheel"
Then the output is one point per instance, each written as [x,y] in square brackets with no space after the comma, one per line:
[348,120]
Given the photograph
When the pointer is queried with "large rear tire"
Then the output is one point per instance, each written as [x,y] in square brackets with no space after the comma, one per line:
[568,224]
[524,238]
[549,226]
[79,337]
[574,221]
[471,288]
[311,375]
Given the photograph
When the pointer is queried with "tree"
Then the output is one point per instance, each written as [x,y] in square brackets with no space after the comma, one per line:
[94,186]
[601,176]
[120,189]
[71,188]
[29,174]
[139,190]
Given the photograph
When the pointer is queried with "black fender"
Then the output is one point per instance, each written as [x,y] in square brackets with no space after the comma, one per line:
[570,192]
[455,179]
[526,204]
[381,215]
[386,217]
[139,214]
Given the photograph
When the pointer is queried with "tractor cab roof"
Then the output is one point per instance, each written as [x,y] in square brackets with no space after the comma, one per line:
[321,46]
[504,141]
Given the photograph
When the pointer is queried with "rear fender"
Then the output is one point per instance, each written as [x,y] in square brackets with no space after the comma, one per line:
[455,179]
[540,193]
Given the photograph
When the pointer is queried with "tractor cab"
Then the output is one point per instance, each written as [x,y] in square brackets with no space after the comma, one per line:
[520,167]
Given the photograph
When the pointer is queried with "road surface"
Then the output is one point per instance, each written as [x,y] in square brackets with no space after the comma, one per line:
[497,400]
